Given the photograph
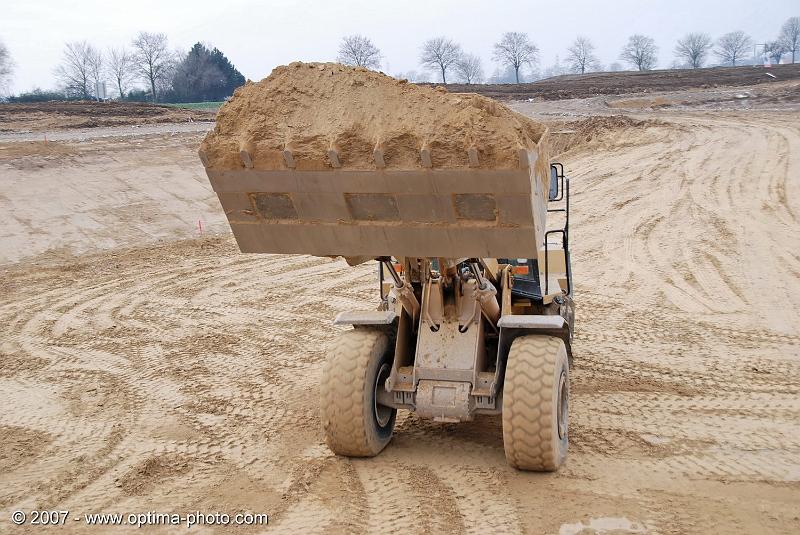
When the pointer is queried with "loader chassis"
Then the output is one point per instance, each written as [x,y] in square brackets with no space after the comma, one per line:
[448,362]
[475,312]
[451,326]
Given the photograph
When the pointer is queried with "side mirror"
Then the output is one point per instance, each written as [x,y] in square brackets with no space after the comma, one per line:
[553,195]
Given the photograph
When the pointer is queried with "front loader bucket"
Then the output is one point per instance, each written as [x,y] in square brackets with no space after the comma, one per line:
[452,213]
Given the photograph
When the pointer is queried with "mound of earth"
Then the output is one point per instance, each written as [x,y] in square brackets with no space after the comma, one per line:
[310,109]
[580,134]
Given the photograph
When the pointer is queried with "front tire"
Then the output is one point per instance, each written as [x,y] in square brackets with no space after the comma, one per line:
[536,404]
[355,424]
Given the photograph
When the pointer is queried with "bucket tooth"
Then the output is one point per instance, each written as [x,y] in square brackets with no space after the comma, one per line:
[472,153]
[524,160]
[203,157]
[333,156]
[288,157]
[246,154]
[377,155]
[425,156]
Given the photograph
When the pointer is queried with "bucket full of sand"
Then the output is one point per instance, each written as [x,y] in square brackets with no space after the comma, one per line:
[328,160]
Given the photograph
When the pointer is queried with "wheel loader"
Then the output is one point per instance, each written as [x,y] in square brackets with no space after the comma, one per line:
[473,312]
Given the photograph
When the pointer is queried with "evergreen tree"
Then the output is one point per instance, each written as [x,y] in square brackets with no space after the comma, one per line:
[233,78]
[204,75]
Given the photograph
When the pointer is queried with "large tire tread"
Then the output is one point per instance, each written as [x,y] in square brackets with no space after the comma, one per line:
[530,429]
[344,416]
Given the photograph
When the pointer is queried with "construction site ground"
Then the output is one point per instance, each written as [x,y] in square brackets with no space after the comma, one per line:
[619,83]
[47,116]
[147,365]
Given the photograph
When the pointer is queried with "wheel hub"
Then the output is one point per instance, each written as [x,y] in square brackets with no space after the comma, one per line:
[382,413]
[563,405]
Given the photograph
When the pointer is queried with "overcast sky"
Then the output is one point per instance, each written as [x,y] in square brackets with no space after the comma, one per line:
[257,36]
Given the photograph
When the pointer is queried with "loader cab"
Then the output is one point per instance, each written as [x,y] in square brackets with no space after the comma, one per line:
[554,183]
[526,278]
[527,282]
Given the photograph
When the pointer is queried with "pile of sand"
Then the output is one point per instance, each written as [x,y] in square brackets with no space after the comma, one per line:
[311,108]
[588,132]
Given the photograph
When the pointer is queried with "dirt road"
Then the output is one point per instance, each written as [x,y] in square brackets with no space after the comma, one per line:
[184,376]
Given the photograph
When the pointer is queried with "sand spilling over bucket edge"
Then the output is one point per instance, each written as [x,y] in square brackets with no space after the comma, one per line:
[314,116]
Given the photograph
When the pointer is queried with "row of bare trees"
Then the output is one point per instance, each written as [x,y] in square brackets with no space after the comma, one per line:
[150,60]
[515,51]
[444,55]
[84,66]
[694,48]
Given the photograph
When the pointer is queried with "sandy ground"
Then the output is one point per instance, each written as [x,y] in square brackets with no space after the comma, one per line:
[169,375]
[112,190]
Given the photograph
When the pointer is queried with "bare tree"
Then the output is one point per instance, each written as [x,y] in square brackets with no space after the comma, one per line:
[120,68]
[790,35]
[6,68]
[359,51]
[732,46]
[153,59]
[516,49]
[693,48]
[440,53]
[96,63]
[581,55]
[76,72]
[164,82]
[774,50]
[469,69]
[641,52]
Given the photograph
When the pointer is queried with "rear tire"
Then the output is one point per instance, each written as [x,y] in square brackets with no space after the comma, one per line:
[536,404]
[355,425]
